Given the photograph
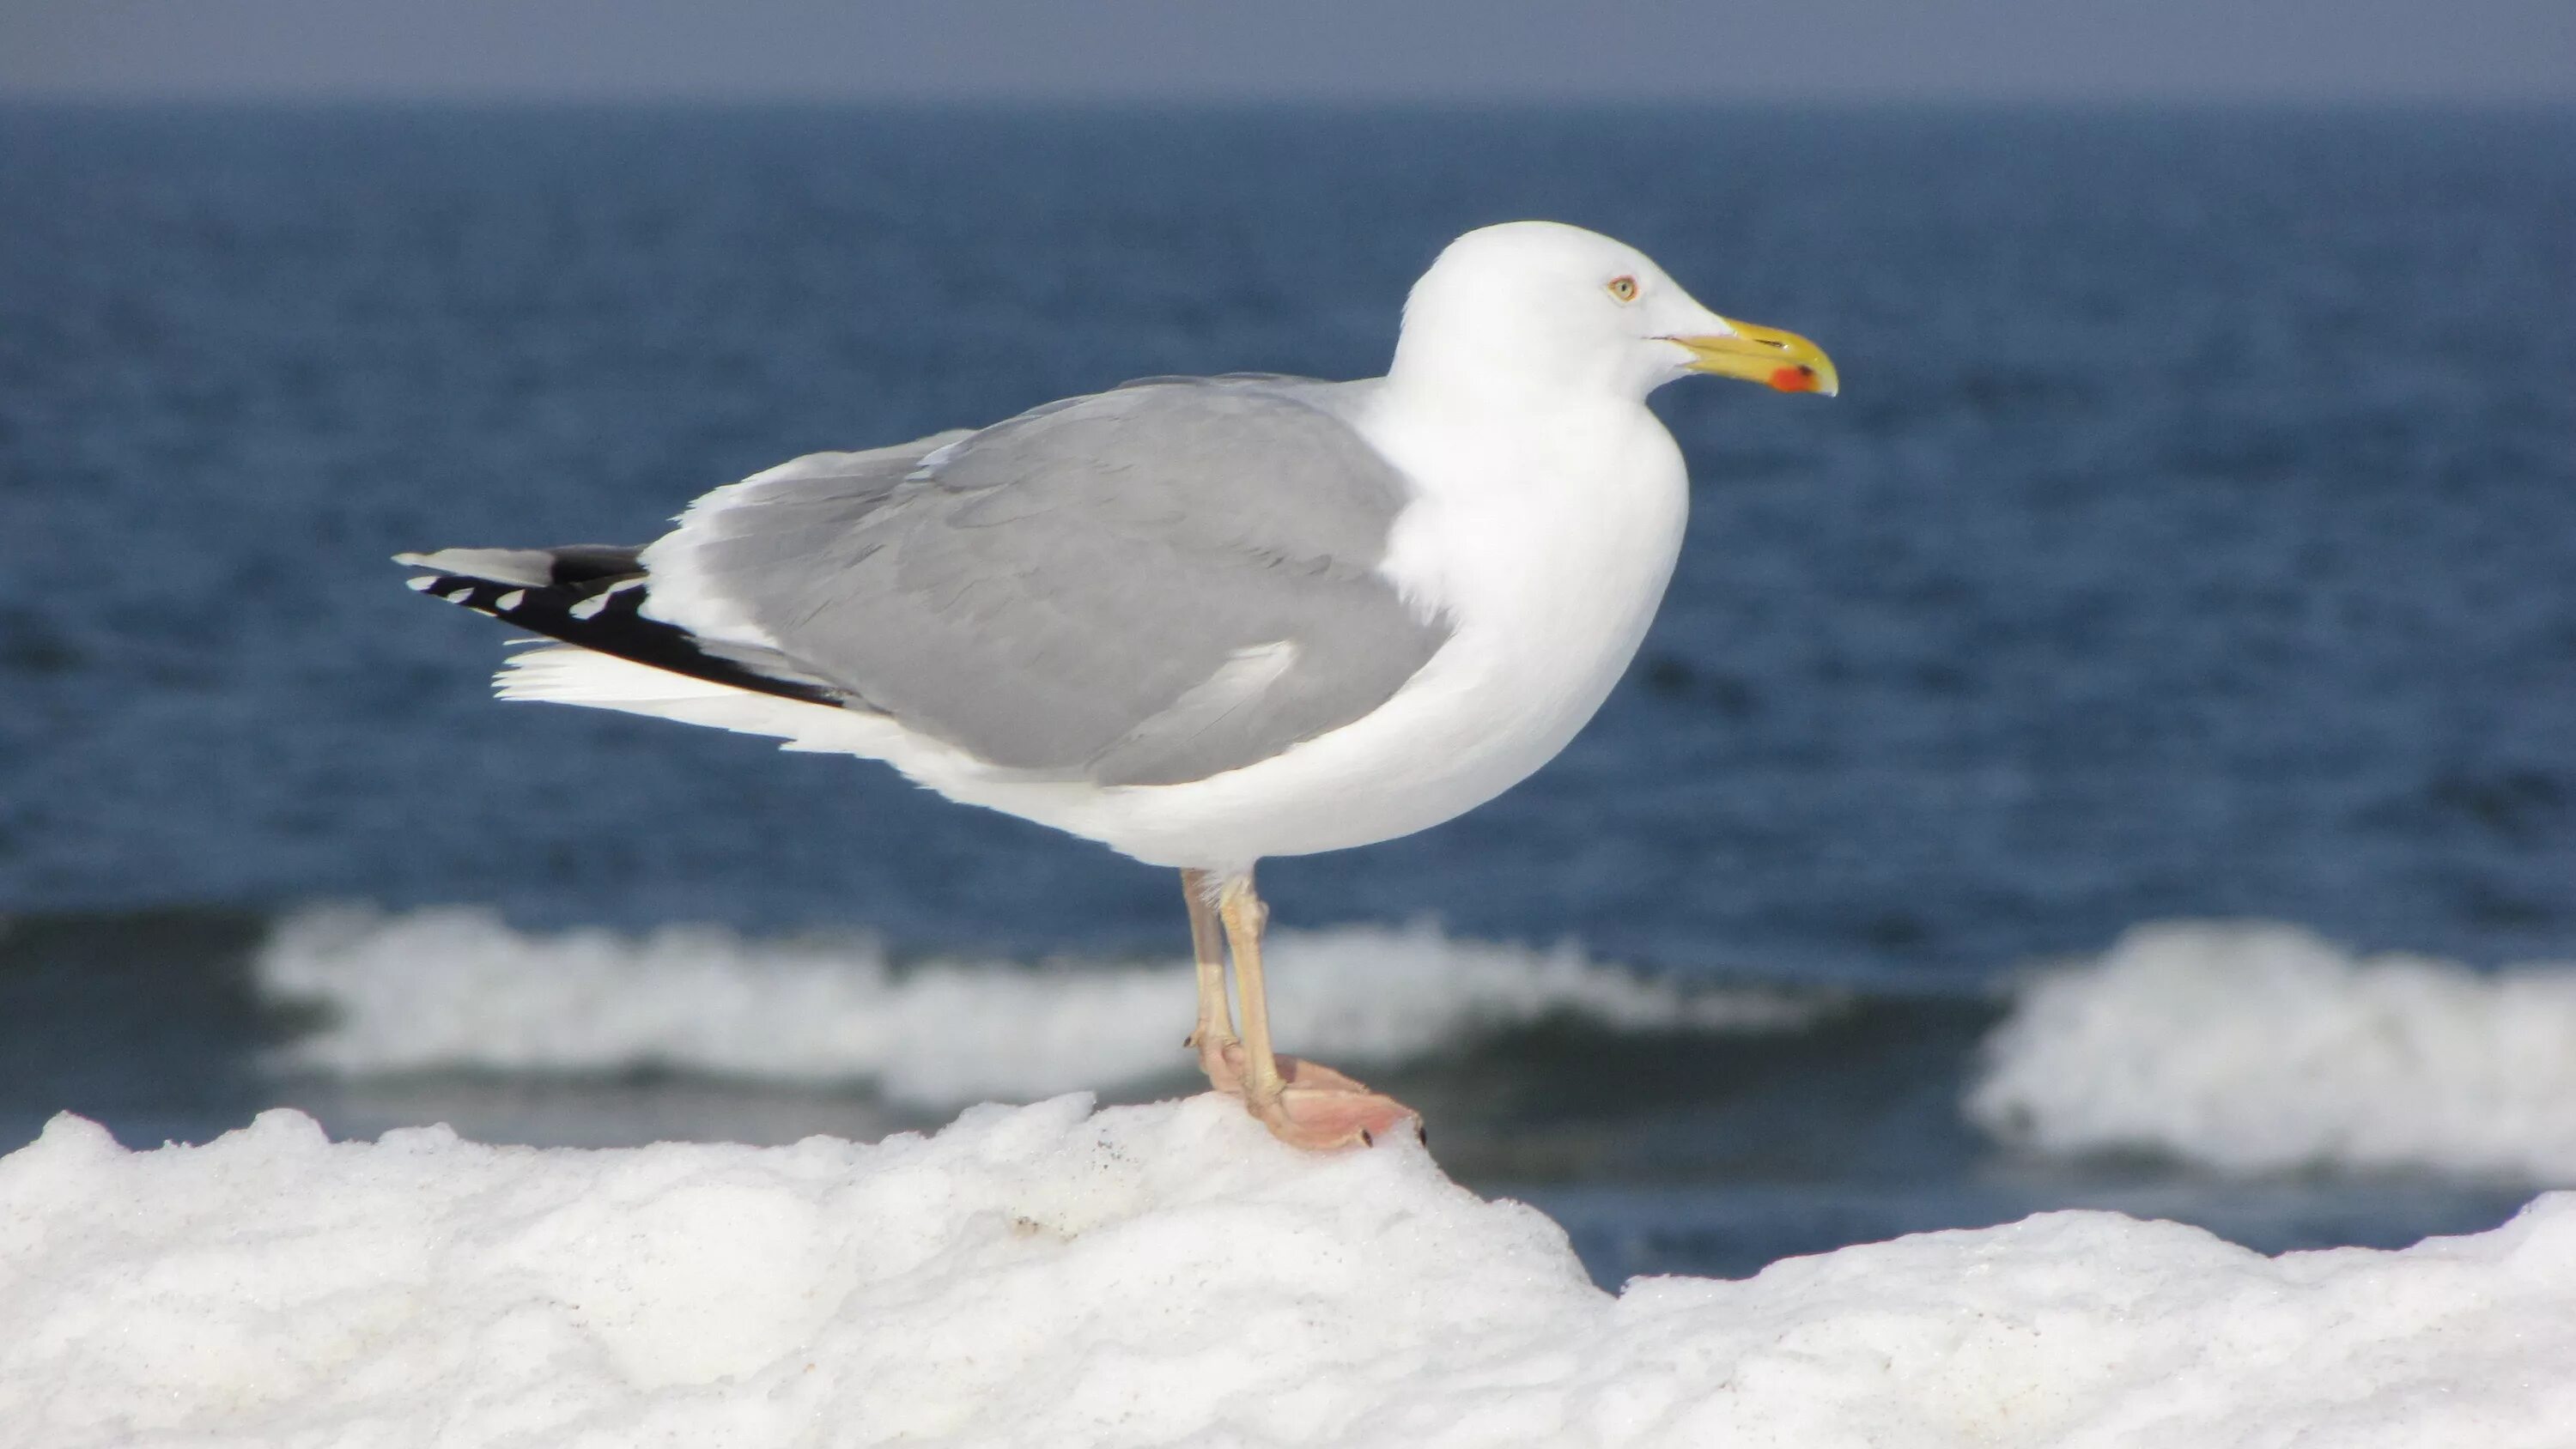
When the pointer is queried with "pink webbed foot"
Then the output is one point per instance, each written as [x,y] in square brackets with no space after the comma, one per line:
[1321,1110]
[1318,1108]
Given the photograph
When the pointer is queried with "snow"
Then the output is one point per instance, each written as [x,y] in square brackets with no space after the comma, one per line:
[456,987]
[1051,1275]
[2260,1048]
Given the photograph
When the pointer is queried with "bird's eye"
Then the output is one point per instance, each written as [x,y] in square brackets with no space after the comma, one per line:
[1624,288]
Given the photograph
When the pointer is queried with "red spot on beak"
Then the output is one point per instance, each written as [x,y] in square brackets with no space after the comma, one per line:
[1794,379]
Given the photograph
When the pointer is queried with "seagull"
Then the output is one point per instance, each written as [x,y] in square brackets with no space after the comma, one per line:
[1201,620]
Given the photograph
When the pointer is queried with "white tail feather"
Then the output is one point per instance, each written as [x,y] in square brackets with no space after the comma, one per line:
[566,674]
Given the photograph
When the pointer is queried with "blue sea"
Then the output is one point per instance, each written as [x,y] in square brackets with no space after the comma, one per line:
[2195,537]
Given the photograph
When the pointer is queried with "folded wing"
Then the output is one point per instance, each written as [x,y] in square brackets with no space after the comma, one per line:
[1144,586]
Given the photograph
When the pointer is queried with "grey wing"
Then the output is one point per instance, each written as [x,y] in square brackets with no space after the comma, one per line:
[1141,587]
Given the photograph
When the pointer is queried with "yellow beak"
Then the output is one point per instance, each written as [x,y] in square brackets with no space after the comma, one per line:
[1783,360]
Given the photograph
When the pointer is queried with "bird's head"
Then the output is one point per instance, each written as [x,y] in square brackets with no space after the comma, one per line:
[1542,306]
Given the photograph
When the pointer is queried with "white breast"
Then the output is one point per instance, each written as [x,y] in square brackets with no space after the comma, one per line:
[1550,553]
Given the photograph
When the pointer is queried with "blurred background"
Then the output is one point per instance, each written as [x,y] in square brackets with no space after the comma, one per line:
[2192,543]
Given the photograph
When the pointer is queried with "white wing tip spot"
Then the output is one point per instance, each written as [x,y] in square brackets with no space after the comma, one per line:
[510,600]
[422,583]
[589,608]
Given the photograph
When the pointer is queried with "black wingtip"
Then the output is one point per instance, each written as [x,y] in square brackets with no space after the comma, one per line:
[601,608]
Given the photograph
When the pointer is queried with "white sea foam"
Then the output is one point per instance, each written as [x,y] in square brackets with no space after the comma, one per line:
[458,988]
[1168,1275]
[2262,1048]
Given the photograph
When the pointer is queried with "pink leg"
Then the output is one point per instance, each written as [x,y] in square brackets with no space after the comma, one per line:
[1220,1050]
[1302,1104]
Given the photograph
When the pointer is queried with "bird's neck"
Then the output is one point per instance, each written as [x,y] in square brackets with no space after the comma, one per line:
[1541,432]
[1461,370]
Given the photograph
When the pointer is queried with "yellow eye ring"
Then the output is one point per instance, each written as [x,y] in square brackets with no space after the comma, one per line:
[1624,288]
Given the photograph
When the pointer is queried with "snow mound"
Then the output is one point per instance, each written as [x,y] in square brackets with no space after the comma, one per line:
[458,988]
[1167,1274]
[2259,1048]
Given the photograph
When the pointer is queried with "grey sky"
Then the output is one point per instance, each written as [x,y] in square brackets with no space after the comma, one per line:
[1836,50]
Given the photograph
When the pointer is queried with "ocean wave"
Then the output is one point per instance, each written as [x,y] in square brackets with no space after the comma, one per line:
[2262,1048]
[457,988]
